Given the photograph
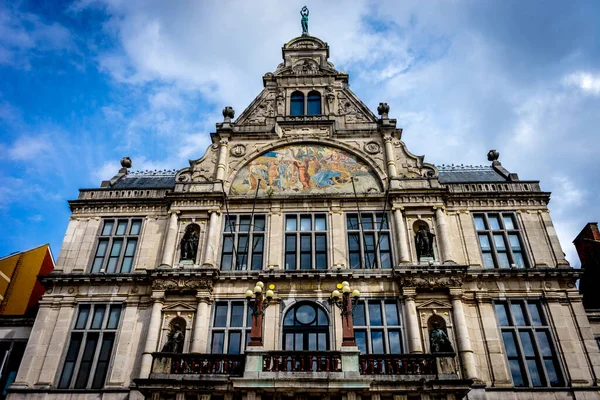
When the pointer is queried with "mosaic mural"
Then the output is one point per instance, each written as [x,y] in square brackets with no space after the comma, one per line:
[304,169]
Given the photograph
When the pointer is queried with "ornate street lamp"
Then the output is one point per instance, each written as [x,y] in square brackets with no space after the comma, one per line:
[346,301]
[258,303]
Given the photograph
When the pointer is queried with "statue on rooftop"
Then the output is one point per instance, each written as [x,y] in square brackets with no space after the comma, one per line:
[304,22]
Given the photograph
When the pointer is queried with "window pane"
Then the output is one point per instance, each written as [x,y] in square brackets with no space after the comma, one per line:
[517,312]
[503,260]
[290,243]
[87,358]
[127,263]
[358,315]
[290,261]
[98,317]
[305,261]
[488,260]
[499,242]
[519,261]
[494,222]
[484,242]
[217,342]
[551,371]
[509,344]
[244,223]
[501,314]
[386,260]
[102,246]
[515,244]
[375,314]
[391,314]
[135,227]
[298,342]
[320,223]
[544,343]
[121,228]
[249,316]
[229,225]
[103,360]
[367,221]
[259,224]
[130,248]
[72,353]
[113,317]
[508,222]
[534,374]
[321,317]
[312,341]
[360,338]
[107,229]
[226,262]
[517,375]
[290,223]
[479,222]
[221,314]
[314,104]
[228,244]
[352,222]
[354,242]
[305,223]
[377,342]
[235,343]
[394,339]
[384,242]
[289,341]
[322,341]
[534,312]
[237,314]
[82,317]
[526,343]
[355,261]
[116,248]
[297,104]
[97,266]
[321,261]
[382,221]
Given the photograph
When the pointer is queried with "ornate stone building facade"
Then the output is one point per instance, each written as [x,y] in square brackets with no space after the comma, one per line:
[450,281]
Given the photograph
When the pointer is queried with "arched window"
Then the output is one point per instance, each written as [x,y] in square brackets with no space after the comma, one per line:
[314,103]
[305,327]
[297,104]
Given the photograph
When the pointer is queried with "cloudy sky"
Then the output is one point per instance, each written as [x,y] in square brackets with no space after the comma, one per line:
[83,84]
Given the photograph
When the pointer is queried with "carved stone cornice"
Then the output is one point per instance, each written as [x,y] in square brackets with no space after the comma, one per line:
[482,274]
[182,284]
[430,281]
[55,279]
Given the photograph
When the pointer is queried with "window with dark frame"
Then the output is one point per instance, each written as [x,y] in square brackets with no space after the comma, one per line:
[528,343]
[243,242]
[306,241]
[305,328]
[313,103]
[230,331]
[117,244]
[90,346]
[297,103]
[369,241]
[378,326]
[499,240]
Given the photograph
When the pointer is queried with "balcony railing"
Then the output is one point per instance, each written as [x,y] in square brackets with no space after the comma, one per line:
[198,364]
[302,361]
[406,364]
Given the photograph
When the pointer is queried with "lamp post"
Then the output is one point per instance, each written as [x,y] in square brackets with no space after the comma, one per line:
[346,301]
[258,303]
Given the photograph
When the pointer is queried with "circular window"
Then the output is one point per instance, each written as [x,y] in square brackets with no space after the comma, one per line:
[305,314]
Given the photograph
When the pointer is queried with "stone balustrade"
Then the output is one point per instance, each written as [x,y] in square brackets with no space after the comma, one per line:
[302,361]
[198,364]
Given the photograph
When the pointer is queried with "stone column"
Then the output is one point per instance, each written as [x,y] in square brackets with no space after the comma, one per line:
[212,240]
[465,350]
[402,236]
[201,323]
[171,237]
[443,235]
[153,332]
[221,163]
[411,319]
[389,155]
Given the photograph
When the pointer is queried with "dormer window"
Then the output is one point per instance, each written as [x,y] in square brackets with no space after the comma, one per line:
[297,103]
[313,104]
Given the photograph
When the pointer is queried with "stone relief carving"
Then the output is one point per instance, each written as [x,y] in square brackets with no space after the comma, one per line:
[182,284]
[348,109]
[329,100]
[280,102]
[430,281]
[305,66]
[202,170]
[372,147]
[238,150]
[264,110]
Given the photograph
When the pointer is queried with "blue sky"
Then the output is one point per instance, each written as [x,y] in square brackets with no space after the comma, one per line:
[84,83]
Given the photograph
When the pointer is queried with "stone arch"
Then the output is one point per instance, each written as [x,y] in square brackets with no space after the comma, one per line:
[370,167]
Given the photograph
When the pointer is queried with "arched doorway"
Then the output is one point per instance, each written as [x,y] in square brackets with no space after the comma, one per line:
[305,327]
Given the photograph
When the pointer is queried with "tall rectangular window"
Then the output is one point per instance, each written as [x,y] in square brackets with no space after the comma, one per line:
[243,242]
[306,241]
[117,243]
[230,332]
[90,346]
[369,241]
[377,327]
[528,343]
[500,240]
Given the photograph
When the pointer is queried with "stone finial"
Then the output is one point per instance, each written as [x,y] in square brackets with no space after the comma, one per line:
[228,114]
[383,110]
[126,162]
[493,155]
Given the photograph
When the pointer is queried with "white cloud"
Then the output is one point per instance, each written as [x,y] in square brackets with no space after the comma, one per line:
[27,148]
[587,82]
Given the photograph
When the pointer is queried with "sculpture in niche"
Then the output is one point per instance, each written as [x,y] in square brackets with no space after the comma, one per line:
[189,243]
[174,342]
[329,97]
[302,169]
[280,102]
[439,342]
[424,242]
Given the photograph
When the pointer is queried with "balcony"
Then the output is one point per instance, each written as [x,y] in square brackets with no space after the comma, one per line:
[198,364]
[302,361]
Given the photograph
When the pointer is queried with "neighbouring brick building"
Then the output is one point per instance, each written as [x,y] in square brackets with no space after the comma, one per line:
[464,288]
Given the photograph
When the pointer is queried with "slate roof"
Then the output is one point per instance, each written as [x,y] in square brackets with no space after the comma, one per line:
[469,173]
[147,180]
